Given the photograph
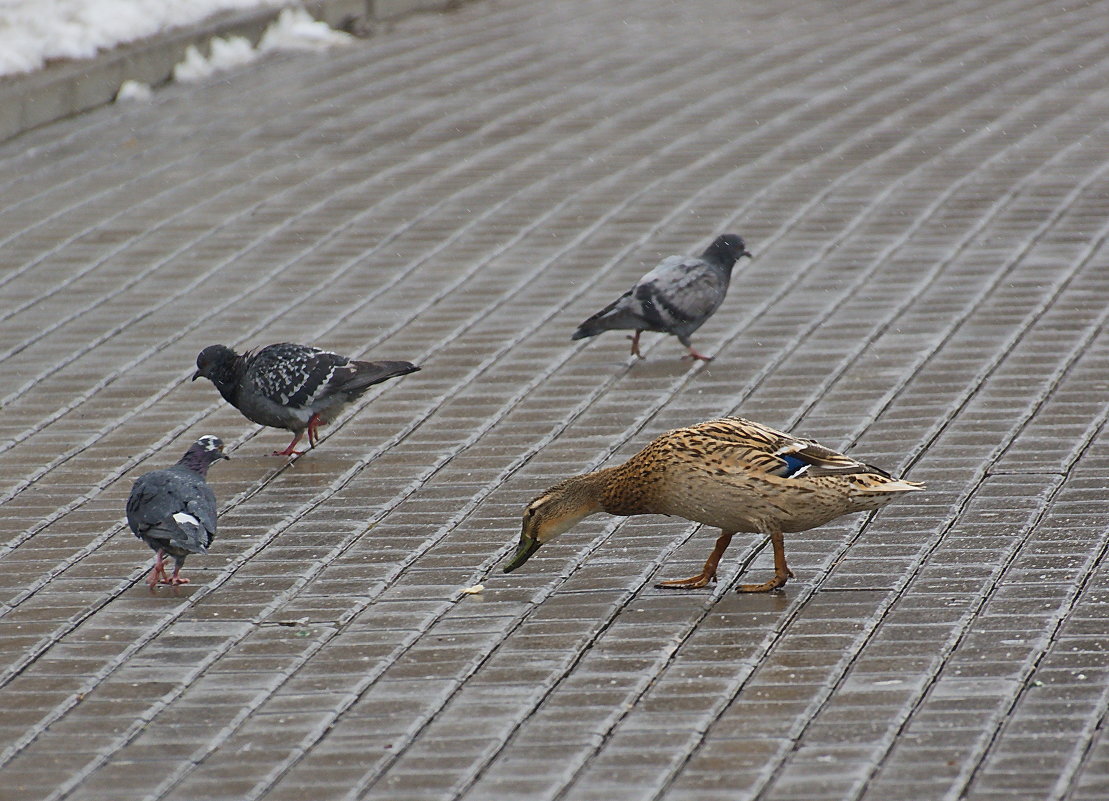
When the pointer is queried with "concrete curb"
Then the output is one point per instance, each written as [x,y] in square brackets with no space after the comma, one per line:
[66,88]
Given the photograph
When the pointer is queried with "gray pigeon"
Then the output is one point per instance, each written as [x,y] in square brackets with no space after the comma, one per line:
[174,510]
[676,297]
[295,387]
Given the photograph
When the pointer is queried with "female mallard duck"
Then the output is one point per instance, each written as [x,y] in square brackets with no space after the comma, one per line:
[731,473]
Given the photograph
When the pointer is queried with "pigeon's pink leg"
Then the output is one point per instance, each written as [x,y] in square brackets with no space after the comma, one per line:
[693,355]
[635,344]
[290,451]
[313,430]
[177,578]
[159,571]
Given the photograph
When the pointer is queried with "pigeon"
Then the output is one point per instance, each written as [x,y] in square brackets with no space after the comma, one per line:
[174,510]
[676,297]
[295,387]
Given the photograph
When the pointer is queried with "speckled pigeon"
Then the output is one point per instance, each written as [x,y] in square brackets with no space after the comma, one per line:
[676,297]
[295,387]
[174,510]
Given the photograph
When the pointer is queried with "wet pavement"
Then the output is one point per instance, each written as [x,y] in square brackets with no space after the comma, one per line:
[923,185]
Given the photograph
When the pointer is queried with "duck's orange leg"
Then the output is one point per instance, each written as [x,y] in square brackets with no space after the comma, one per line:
[708,574]
[782,573]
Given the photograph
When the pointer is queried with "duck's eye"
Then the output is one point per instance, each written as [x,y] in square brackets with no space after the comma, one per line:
[530,512]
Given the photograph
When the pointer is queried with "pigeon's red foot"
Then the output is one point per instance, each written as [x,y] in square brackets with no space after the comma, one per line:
[291,450]
[158,574]
[694,356]
[314,423]
[635,345]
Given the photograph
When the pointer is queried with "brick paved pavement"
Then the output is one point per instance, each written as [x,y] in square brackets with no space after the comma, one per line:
[924,187]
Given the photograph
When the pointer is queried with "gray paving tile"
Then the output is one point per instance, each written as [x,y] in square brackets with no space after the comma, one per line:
[921,185]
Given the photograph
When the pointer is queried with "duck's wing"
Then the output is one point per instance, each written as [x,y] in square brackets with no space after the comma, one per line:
[739,446]
[746,449]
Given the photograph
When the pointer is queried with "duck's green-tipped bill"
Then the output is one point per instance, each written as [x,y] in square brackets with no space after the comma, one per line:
[523,552]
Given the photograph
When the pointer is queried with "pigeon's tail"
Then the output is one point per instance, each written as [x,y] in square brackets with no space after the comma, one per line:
[612,316]
[590,328]
[182,532]
[366,374]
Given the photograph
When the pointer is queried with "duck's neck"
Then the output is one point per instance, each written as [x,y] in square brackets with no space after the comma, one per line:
[616,492]
[585,491]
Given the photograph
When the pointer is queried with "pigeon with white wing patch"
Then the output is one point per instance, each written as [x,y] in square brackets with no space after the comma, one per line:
[676,297]
[295,387]
[174,510]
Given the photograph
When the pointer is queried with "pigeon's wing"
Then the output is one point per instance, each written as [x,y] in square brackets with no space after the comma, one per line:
[155,497]
[196,526]
[203,508]
[293,375]
[680,294]
[171,510]
[358,376]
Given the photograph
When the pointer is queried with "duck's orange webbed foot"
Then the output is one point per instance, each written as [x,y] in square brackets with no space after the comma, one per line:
[702,579]
[708,574]
[778,581]
[782,573]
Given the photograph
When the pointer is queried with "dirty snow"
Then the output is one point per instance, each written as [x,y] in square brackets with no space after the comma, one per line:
[294,29]
[225,54]
[33,32]
[134,90]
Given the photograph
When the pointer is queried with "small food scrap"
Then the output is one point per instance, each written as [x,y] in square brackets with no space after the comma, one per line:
[474,590]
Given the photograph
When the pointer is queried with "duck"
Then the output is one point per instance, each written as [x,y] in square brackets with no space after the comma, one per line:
[730,473]
[676,297]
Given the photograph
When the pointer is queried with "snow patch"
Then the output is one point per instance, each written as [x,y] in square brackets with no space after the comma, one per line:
[295,29]
[134,90]
[33,32]
[224,54]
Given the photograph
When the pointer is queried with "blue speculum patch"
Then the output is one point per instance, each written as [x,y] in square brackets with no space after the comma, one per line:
[793,464]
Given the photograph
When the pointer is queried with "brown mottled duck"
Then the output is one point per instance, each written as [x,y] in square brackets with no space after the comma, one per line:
[731,473]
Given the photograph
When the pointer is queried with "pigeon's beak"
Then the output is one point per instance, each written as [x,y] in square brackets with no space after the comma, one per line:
[746,253]
[524,550]
[196,375]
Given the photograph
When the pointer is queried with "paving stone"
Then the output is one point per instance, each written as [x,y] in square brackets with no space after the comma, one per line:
[921,186]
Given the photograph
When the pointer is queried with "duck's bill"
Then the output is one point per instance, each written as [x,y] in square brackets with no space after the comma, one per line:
[523,552]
